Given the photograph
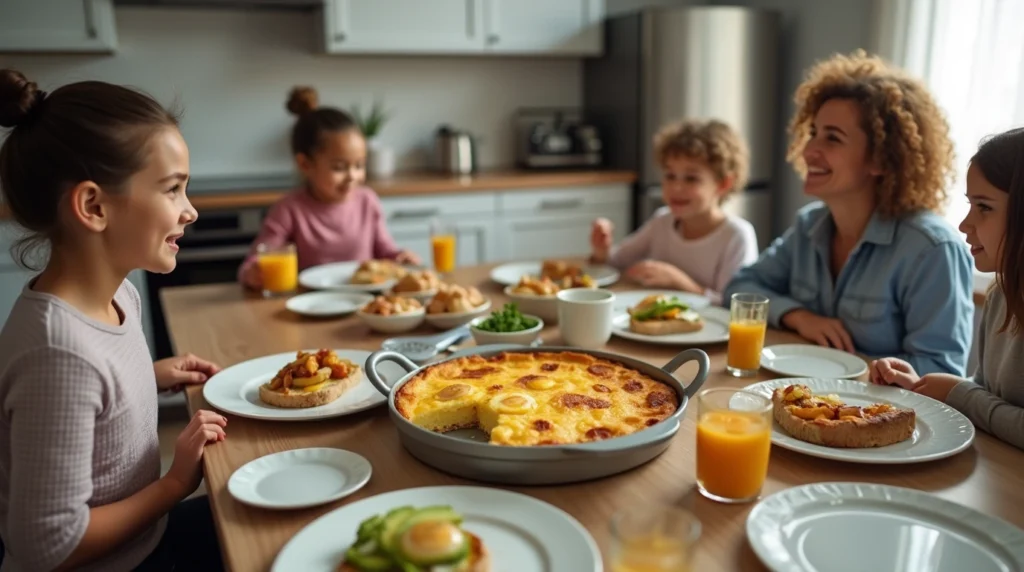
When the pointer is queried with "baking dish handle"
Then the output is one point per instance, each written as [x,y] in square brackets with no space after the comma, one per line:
[703,366]
[374,376]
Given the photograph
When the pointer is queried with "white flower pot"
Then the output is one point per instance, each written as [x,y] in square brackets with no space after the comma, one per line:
[380,160]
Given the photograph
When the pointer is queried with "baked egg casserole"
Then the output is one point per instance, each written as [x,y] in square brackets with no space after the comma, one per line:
[543,398]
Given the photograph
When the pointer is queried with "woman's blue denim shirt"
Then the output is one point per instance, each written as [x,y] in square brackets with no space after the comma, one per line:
[906,290]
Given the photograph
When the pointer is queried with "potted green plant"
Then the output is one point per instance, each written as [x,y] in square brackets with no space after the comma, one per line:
[381,158]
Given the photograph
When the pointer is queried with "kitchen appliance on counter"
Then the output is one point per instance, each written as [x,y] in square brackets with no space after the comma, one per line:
[666,64]
[556,138]
[455,151]
[210,252]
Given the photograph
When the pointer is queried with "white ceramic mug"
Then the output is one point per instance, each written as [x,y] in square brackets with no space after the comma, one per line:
[585,316]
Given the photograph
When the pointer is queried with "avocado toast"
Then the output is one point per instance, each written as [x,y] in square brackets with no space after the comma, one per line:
[407,539]
[659,315]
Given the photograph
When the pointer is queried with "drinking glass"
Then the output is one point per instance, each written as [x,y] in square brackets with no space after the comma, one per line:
[443,246]
[748,321]
[653,539]
[734,440]
[279,269]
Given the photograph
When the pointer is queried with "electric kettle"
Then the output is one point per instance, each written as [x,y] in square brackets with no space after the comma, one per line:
[454,151]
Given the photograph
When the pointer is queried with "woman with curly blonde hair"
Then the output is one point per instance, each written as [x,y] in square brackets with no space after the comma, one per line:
[870,267]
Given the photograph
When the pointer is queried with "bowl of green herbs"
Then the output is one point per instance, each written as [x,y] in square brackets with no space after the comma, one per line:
[506,326]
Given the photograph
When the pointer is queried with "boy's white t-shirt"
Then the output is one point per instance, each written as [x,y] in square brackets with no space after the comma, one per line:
[710,260]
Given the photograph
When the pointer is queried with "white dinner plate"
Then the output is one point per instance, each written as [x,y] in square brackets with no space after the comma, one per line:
[804,360]
[299,478]
[715,330]
[338,276]
[853,527]
[509,274]
[523,534]
[323,304]
[236,389]
[940,431]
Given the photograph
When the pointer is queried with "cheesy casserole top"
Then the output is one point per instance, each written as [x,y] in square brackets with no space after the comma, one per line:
[542,398]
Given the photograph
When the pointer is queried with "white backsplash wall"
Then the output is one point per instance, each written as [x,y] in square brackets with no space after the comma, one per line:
[231,70]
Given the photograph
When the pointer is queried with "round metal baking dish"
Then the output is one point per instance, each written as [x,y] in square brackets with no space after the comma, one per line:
[467,453]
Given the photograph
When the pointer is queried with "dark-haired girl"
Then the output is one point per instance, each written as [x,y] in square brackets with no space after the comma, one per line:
[994,399]
[96,173]
[334,217]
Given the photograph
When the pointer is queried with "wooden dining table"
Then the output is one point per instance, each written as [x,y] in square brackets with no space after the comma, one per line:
[227,325]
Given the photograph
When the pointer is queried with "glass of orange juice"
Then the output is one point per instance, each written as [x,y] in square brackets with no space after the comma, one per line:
[442,242]
[734,439]
[748,321]
[279,269]
[653,539]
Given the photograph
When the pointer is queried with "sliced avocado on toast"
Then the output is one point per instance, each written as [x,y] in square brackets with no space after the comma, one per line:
[659,308]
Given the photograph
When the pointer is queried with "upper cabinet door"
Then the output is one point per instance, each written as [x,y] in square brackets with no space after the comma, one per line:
[404,26]
[569,27]
[37,26]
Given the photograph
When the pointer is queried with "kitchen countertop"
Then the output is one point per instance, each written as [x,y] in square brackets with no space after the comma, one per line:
[265,191]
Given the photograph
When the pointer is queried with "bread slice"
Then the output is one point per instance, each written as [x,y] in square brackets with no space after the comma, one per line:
[889,427]
[666,327]
[298,398]
[479,558]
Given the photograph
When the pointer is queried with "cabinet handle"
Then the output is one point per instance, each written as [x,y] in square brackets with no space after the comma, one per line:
[339,37]
[90,21]
[561,205]
[424,213]
[492,38]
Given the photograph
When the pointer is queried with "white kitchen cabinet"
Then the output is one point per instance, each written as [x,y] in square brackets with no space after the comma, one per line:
[403,26]
[474,240]
[37,26]
[474,217]
[556,222]
[555,27]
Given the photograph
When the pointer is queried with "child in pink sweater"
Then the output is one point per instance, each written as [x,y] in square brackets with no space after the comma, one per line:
[334,217]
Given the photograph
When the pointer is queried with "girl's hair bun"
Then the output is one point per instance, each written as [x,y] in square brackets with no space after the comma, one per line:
[18,97]
[302,100]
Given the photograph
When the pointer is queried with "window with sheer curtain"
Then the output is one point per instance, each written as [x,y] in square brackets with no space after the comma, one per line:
[971,55]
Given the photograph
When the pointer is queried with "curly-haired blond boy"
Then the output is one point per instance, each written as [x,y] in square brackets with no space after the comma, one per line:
[691,244]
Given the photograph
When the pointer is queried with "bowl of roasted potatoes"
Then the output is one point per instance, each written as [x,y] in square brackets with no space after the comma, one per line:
[539,295]
[392,314]
[455,305]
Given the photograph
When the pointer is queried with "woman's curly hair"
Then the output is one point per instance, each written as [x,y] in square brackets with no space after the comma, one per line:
[908,136]
[711,142]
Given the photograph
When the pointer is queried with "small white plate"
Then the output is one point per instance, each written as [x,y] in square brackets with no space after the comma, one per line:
[299,478]
[521,533]
[323,304]
[715,330]
[940,431]
[236,389]
[338,276]
[805,360]
[852,527]
[509,274]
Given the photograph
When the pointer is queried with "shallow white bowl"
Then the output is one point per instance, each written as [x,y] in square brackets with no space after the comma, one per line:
[450,320]
[522,337]
[395,324]
[544,307]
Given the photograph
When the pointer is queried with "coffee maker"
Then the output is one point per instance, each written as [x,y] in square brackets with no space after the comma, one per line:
[553,138]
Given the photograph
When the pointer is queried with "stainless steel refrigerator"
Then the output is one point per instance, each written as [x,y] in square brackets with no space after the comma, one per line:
[665,64]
